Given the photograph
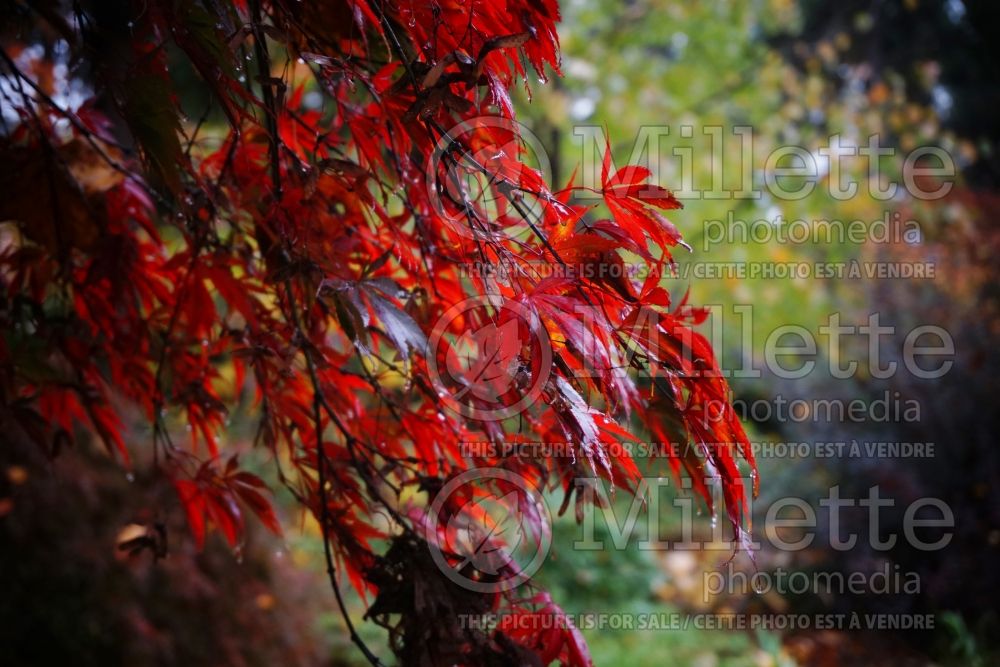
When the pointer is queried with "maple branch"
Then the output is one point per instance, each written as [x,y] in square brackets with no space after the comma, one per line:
[84,131]
[321,463]
[270,110]
[507,190]
[324,523]
[158,399]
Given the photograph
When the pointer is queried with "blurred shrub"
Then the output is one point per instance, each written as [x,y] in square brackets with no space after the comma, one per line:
[71,596]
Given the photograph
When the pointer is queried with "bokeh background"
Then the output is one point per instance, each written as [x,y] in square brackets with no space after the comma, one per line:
[916,72]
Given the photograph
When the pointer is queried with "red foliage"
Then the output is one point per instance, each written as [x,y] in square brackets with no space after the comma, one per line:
[308,258]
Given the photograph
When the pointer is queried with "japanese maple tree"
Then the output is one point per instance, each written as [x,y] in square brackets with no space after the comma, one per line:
[340,226]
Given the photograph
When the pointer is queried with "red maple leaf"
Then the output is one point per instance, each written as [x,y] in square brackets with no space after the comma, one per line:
[485,361]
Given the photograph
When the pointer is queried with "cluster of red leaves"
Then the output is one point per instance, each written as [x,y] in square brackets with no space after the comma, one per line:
[303,258]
